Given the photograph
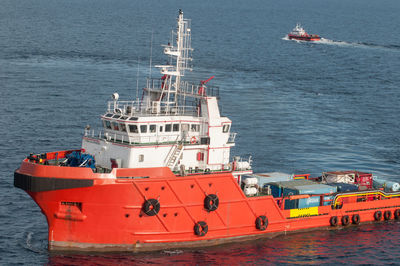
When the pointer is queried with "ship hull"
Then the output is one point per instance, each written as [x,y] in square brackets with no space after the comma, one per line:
[86,211]
[303,38]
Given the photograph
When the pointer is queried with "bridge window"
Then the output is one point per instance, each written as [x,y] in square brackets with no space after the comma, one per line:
[168,127]
[115,126]
[195,128]
[152,128]
[175,127]
[143,129]
[109,115]
[107,124]
[133,128]
[161,128]
[122,127]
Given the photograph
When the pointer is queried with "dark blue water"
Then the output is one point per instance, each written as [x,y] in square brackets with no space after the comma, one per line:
[298,107]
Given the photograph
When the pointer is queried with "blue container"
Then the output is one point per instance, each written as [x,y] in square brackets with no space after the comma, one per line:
[344,187]
[276,189]
[316,189]
[309,202]
[312,189]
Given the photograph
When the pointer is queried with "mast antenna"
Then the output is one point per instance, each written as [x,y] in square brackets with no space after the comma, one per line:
[137,79]
[151,51]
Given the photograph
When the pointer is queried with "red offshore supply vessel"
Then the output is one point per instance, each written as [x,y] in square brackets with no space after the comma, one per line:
[298,33]
[158,175]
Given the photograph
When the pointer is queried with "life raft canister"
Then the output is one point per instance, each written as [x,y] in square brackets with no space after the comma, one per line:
[201,228]
[261,222]
[211,202]
[151,207]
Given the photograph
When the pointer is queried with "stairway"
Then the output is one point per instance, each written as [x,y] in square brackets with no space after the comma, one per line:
[175,155]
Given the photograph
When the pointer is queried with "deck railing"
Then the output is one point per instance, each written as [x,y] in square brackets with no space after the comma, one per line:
[132,108]
[138,139]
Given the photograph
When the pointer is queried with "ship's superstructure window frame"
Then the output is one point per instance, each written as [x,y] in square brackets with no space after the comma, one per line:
[133,129]
[195,127]
[122,127]
[107,124]
[175,127]
[168,127]
[114,126]
[152,128]
[143,128]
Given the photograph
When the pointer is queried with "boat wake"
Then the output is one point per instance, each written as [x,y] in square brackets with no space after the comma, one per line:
[392,47]
[366,45]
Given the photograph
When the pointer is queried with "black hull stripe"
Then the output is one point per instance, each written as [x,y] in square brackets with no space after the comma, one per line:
[40,184]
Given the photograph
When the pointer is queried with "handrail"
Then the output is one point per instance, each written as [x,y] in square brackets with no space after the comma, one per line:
[362,193]
[138,139]
[132,108]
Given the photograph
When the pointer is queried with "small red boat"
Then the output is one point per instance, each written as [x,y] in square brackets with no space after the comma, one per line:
[298,33]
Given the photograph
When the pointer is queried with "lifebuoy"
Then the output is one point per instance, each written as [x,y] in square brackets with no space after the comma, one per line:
[151,207]
[193,140]
[378,215]
[355,219]
[211,202]
[201,228]
[345,220]
[397,214]
[387,215]
[261,223]
[333,221]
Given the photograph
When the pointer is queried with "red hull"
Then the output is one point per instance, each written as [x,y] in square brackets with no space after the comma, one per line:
[304,38]
[90,211]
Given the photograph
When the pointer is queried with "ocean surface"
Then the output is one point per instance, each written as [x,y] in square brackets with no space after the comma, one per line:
[297,107]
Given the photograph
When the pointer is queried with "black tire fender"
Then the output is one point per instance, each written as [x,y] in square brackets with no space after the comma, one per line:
[201,228]
[345,220]
[151,207]
[333,221]
[397,214]
[355,219]
[211,202]
[387,215]
[261,223]
[378,216]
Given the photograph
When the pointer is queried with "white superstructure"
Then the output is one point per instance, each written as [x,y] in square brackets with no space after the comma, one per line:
[298,31]
[175,124]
